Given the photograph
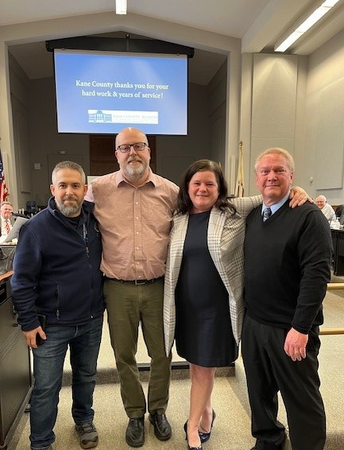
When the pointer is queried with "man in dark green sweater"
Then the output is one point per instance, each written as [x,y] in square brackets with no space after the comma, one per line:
[287,268]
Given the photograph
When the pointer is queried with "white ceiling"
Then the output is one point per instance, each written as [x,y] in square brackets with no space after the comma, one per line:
[258,23]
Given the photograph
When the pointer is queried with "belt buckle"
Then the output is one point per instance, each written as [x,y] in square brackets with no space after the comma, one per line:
[140,282]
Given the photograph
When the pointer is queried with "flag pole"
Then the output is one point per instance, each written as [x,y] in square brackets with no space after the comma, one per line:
[239,190]
[3,188]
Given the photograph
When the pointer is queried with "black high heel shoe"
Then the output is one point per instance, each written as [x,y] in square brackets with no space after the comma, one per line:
[186,437]
[206,436]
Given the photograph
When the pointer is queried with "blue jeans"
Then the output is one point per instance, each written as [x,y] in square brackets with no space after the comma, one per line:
[84,342]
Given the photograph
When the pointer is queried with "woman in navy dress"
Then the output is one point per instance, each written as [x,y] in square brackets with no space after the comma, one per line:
[204,285]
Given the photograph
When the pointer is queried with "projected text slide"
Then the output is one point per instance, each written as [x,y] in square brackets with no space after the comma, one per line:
[104,92]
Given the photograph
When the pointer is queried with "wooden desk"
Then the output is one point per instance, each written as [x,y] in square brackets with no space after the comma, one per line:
[15,370]
[6,275]
[338,250]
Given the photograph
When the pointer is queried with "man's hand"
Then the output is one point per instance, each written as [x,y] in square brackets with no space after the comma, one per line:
[295,345]
[31,336]
[298,197]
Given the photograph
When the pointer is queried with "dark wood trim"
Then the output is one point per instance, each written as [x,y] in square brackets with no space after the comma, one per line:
[102,154]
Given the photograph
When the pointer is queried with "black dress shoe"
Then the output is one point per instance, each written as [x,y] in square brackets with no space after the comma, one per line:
[135,434]
[162,429]
[271,447]
[206,436]
[264,446]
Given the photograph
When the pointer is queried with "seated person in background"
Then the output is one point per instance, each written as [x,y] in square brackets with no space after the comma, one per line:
[340,213]
[6,211]
[327,209]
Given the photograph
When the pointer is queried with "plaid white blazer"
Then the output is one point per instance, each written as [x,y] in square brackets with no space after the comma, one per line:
[226,233]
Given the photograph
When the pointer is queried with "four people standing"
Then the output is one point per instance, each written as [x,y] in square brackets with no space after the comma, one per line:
[204,318]
[287,268]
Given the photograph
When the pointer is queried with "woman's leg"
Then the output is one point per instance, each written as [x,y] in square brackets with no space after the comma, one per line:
[202,382]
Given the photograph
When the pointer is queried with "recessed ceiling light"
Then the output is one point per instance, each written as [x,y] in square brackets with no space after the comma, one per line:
[121,6]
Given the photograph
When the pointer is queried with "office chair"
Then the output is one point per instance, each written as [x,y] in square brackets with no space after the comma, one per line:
[339,210]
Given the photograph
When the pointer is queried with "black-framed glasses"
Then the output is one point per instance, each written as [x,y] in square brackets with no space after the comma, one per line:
[138,147]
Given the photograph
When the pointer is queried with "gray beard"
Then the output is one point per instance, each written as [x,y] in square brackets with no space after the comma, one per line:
[135,173]
[69,211]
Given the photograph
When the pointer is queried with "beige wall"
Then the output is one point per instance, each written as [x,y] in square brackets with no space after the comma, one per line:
[324,143]
[313,115]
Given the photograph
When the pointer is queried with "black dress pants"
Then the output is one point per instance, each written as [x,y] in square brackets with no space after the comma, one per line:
[269,370]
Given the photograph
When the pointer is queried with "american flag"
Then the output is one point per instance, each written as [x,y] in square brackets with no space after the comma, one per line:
[3,187]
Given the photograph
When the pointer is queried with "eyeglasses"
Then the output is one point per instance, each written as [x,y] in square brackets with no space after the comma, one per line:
[138,147]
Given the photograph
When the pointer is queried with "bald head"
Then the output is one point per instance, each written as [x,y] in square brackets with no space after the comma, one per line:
[130,132]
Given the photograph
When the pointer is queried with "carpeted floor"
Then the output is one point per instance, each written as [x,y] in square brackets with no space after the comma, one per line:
[232,424]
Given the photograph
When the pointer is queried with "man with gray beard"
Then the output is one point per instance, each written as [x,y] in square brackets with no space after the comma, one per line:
[134,208]
[57,292]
